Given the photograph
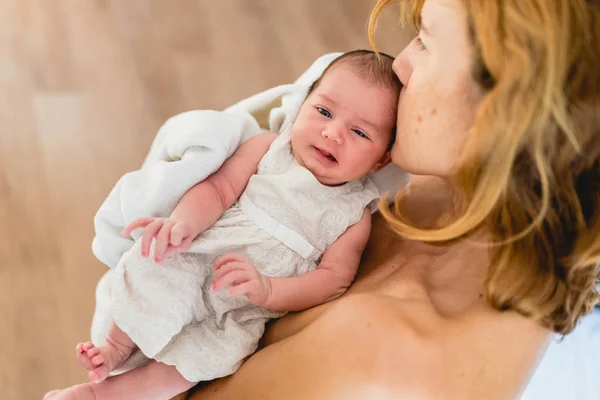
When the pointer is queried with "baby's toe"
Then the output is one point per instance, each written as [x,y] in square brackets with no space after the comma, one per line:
[99,374]
[98,360]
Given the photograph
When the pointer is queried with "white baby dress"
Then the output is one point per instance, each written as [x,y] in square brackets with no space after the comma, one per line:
[283,223]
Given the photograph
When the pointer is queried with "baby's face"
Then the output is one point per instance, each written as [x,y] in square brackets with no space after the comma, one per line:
[344,127]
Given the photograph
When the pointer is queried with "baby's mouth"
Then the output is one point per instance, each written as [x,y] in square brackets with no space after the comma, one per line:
[328,155]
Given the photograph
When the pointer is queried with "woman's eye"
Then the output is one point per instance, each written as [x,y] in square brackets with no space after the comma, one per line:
[420,43]
[360,133]
[324,112]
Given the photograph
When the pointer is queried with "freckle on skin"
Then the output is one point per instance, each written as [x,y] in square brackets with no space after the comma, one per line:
[433,111]
[416,131]
[419,119]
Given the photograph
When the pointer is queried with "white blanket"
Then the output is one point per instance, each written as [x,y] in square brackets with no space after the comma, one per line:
[191,146]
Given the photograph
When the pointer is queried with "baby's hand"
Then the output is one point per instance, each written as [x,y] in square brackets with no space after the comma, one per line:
[243,278]
[172,236]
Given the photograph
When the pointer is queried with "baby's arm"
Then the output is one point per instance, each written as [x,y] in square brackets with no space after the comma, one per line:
[330,280]
[203,204]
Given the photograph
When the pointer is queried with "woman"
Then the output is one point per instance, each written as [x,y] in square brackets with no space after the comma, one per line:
[495,245]
[501,112]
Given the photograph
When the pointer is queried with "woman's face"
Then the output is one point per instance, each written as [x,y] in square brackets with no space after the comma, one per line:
[439,98]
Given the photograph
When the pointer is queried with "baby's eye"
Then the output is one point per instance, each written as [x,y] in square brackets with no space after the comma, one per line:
[324,112]
[360,133]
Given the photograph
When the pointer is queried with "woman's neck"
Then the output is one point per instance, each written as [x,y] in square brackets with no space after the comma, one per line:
[429,200]
[451,275]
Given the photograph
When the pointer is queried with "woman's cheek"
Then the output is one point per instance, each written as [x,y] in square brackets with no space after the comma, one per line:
[396,152]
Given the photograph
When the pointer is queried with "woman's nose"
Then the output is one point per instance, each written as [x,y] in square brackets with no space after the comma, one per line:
[403,66]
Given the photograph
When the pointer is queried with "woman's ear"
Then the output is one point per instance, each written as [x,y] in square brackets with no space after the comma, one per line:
[383,161]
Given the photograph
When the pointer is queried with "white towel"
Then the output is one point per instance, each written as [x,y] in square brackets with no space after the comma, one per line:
[191,146]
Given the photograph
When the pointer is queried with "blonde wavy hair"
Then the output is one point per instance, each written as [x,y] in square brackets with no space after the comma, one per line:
[530,172]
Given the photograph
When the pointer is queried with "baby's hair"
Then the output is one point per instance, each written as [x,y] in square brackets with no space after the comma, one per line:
[374,68]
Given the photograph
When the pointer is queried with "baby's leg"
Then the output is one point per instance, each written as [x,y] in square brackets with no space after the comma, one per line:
[99,361]
[154,381]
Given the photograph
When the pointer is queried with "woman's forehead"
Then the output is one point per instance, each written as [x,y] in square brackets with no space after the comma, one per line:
[445,26]
[440,15]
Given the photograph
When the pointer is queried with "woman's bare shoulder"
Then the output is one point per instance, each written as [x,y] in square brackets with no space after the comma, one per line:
[374,346]
[331,358]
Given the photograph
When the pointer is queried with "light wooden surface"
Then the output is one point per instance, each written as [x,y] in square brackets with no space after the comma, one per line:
[84,86]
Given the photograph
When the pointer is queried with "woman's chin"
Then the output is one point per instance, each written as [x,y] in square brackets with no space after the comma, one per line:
[421,167]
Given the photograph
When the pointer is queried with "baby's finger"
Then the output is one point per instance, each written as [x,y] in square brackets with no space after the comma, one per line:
[182,248]
[178,234]
[227,268]
[172,250]
[162,241]
[244,288]
[233,278]
[186,244]
[138,223]
[149,234]
[226,259]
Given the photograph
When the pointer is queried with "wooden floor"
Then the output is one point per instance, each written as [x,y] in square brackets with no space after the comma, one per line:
[84,85]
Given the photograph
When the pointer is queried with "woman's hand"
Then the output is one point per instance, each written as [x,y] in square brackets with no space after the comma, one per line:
[172,236]
[241,277]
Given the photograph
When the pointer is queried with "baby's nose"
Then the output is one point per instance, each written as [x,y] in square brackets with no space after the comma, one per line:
[334,132]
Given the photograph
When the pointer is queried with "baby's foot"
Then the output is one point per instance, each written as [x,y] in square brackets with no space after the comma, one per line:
[78,392]
[83,358]
[99,361]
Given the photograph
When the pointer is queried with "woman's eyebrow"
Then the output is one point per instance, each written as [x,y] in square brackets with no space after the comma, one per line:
[423,27]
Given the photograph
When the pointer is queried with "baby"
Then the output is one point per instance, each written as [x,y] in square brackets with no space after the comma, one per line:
[283,222]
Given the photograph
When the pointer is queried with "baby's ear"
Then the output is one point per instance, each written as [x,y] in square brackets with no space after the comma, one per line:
[383,161]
